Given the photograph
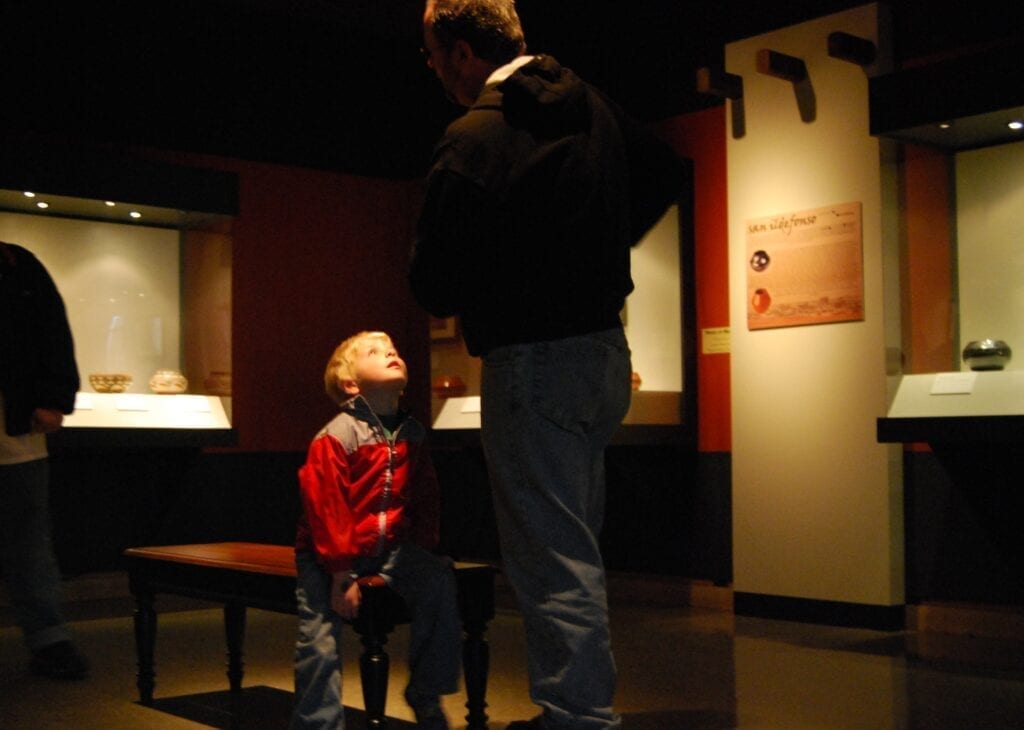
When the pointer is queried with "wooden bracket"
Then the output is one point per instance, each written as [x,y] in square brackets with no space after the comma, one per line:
[719,83]
[779,65]
[851,48]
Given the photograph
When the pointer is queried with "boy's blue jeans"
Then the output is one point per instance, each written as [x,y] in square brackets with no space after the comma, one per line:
[549,410]
[30,571]
[426,582]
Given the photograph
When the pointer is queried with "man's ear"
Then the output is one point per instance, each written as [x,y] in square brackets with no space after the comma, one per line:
[462,51]
[350,386]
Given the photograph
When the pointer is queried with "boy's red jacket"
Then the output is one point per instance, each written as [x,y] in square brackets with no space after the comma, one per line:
[363,493]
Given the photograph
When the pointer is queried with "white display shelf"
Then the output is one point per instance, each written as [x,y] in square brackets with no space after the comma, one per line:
[144,410]
[987,393]
[148,420]
[957,407]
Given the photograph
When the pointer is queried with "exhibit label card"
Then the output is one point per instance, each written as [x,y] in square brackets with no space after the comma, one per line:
[716,341]
[805,267]
[953,383]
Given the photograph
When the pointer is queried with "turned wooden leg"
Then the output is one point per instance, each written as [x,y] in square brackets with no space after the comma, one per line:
[145,641]
[234,630]
[374,665]
[476,607]
[476,661]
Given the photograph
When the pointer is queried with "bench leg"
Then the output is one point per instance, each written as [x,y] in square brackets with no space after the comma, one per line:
[476,661]
[374,665]
[145,641]
[234,631]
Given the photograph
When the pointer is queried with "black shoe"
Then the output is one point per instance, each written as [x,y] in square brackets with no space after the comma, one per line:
[429,715]
[60,661]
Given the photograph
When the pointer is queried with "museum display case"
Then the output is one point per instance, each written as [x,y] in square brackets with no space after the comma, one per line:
[147,288]
[961,190]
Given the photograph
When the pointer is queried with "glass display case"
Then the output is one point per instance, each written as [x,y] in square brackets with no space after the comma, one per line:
[147,289]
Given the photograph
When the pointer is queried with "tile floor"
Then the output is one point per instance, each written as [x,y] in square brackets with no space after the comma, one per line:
[680,669]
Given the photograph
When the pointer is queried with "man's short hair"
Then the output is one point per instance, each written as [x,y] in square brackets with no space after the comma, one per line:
[490,27]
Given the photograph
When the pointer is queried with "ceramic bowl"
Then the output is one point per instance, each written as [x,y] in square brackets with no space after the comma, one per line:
[168,382]
[110,382]
[987,354]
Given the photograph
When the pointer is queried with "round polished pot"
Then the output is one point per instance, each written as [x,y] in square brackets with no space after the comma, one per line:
[987,354]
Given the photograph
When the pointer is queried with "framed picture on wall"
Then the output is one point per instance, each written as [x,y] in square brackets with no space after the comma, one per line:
[443,328]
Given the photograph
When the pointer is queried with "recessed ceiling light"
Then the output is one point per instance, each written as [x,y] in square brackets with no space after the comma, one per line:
[29,194]
[110,203]
[945,125]
[42,204]
[1015,124]
[135,214]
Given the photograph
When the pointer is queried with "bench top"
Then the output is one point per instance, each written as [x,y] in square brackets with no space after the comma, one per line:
[248,557]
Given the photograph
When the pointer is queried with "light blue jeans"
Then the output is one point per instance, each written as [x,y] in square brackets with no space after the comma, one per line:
[426,582]
[30,569]
[549,411]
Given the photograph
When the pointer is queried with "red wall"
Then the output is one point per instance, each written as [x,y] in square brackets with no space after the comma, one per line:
[700,136]
[927,264]
[316,257]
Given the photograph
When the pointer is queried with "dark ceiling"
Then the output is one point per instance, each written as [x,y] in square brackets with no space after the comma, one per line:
[340,84]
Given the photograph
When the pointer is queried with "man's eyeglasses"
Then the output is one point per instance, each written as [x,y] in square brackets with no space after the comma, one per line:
[428,53]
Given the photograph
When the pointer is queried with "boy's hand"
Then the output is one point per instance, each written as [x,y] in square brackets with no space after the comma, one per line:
[345,596]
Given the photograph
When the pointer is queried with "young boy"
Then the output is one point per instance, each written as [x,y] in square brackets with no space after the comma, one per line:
[371,505]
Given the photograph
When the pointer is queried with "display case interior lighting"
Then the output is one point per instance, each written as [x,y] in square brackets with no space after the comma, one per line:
[63,206]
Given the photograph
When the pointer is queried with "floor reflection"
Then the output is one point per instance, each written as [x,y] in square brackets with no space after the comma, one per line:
[680,669]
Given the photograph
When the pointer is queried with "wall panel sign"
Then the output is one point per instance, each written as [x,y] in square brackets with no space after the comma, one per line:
[805,267]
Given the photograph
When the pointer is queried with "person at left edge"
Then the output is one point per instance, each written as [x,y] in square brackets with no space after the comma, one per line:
[38,382]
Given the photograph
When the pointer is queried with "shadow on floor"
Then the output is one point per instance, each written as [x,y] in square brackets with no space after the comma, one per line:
[254,708]
[679,720]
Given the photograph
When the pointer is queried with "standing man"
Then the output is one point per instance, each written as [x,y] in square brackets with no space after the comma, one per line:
[534,199]
[38,382]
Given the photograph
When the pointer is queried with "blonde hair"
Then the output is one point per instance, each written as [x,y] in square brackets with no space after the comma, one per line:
[341,366]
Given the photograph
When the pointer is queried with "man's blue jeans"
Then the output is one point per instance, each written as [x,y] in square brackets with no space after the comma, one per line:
[548,411]
[30,569]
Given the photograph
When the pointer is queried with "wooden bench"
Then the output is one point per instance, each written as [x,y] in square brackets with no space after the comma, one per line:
[243,574]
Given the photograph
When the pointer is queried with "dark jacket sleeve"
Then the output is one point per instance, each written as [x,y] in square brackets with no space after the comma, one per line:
[446,269]
[41,372]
